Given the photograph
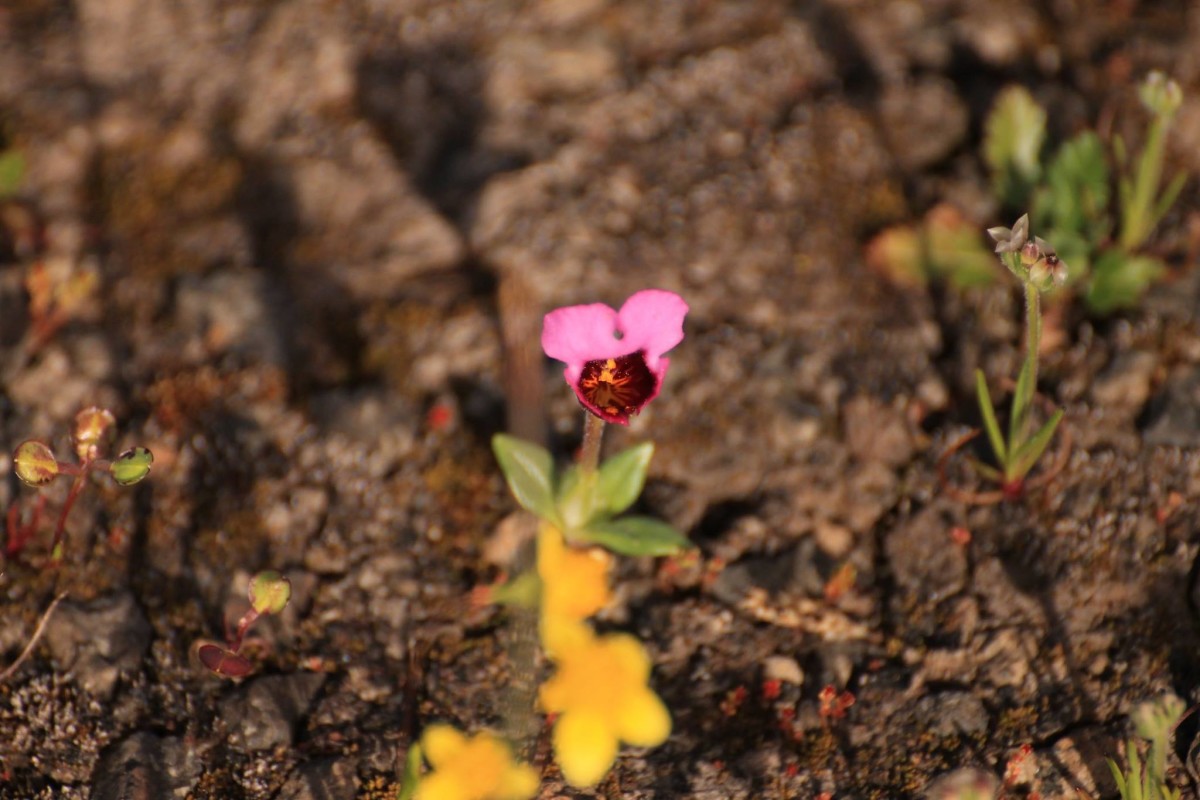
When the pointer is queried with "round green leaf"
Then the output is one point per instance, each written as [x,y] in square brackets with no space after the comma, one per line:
[132,466]
[35,463]
[270,592]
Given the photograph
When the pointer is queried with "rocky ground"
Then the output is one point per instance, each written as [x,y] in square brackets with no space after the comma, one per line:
[322,236]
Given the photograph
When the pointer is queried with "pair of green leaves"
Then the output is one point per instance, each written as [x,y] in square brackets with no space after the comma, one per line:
[585,505]
[1019,453]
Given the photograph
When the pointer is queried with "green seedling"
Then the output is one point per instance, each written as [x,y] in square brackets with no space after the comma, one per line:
[1154,721]
[36,465]
[945,246]
[269,593]
[1035,263]
[1071,197]
[587,504]
[1012,145]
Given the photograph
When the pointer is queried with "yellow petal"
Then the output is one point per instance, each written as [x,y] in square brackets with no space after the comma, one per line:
[643,720]
[584,748]
[561,634]
[630,655]
[550,547]
[519,783]
[440,786]
[440,743]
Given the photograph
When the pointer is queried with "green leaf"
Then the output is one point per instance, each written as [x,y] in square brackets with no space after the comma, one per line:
[34,463]
[12,171]
[1168,198]
[1119,280]
[635,536]
[412,773]
[1012,143]
[954,251]
[1022,399]
[1074,198]
[1028,453]
[621,479]
[989,418]
[576,497]
[529,470]
[132,466]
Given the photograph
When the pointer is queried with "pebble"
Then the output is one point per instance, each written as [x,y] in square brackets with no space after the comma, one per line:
[98,642]
[263,713]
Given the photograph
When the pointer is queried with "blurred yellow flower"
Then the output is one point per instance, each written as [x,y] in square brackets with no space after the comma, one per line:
[480,767]
[574,586]
[599,692]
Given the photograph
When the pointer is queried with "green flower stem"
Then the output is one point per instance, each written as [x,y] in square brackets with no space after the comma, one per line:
[1137,217]
[1033,341]
[589,451]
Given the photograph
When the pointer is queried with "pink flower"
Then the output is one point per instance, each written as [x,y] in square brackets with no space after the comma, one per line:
[614,358]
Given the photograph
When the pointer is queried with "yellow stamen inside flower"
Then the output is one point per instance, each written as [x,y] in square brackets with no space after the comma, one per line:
[619,386]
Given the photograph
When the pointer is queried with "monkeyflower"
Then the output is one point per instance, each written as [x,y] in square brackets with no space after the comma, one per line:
[574,586]
[600,695]
[614,358]
[480,767]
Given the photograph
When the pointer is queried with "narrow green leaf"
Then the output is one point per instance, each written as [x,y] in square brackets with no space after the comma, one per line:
[622,478]
[986,471]
[989,418]
[12,171]
[1118,778]
[1022,399]
[529,470]
[1168,198]
[635,536]
[412,773]
[132,466]
[1028,454]
[1120,154]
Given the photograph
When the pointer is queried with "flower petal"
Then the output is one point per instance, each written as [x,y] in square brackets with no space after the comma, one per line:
[652,321]
[584,747]
[440,743]
[643,720]
[441,786]
[577,334]
[520,782]
[630,654]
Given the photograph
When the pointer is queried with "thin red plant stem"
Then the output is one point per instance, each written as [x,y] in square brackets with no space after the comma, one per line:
[61,527]
[244,624]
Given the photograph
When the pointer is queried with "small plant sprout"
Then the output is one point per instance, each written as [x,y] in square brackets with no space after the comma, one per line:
[269,593]
[600,695]
[478,767]
[1138,188]
[35,464]
[1154,721]
[1039,269]
[1070,196]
